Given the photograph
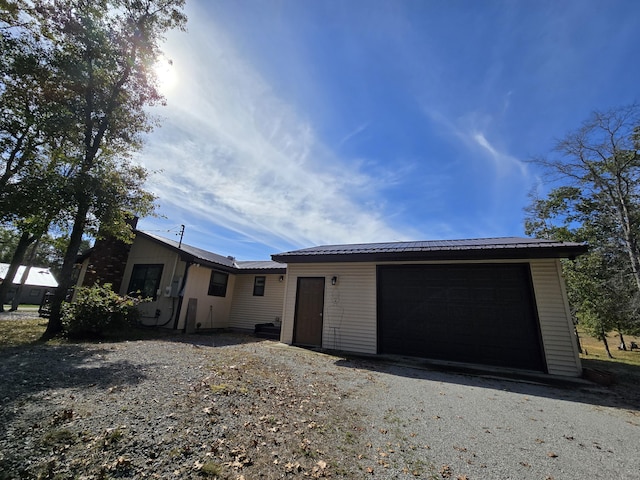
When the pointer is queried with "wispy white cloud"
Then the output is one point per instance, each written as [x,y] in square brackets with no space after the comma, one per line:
[504,163]
[357,131]
[233,153]
[471,129]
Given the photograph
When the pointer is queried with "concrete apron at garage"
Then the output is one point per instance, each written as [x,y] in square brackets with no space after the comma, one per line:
[477,370]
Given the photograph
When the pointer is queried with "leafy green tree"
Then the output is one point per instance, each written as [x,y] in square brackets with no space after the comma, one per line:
[598,168]
[33,188]
[602,160]
[98,57]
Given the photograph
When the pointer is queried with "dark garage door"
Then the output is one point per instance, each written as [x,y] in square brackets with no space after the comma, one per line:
[481,313]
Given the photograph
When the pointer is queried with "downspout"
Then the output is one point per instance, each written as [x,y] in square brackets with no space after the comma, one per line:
[181,294]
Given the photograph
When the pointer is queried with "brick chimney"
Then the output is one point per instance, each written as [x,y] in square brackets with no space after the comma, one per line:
[108,259]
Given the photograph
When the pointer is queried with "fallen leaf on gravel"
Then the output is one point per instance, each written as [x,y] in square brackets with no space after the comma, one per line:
[538,440]
[446,471]
[370,470]
[462,477]
[292,467]
[551,455]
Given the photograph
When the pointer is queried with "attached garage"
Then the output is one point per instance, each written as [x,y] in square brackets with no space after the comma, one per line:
[479,313]
[499,302]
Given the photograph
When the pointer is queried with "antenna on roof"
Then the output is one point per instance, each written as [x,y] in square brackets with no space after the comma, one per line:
[181,235]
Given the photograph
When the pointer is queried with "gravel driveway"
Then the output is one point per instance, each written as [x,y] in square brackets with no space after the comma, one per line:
[229,406]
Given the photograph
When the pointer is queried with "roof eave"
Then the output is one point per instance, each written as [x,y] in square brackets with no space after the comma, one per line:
[189,257]
[569,251]
[257,271]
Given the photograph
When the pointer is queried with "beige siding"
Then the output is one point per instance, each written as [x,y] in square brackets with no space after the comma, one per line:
[144,251]
[558,337]
[211,311]
[349,318]
[247,310]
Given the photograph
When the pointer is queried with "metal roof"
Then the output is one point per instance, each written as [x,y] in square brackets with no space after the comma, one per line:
[213,260]
[478,248]
[260,265]
[38,276]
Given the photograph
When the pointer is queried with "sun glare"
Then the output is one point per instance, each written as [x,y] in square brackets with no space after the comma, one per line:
[166,74]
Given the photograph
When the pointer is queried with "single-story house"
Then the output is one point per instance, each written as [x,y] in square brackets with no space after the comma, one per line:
[497,301]
[191,289]
[38,281]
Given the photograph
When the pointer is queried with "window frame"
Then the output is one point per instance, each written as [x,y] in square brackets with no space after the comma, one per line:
[218,289]
[258,289]
[159,267]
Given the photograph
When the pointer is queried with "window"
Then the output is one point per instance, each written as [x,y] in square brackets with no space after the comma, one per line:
[258,286]
[218,284]
[145,280]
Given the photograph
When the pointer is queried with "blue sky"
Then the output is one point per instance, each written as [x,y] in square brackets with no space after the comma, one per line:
[295,123]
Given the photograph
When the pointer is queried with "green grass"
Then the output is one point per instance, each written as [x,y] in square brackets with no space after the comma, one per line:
[594,349]
[625,365]
[21,332]
[22,307]
[15,333]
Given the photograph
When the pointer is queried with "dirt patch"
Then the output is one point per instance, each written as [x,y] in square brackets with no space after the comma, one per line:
[175,410]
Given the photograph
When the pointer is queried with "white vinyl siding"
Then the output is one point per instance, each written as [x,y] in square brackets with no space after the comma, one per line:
[144,251]
[557,330]
[211,312]
[349,317]
[350,309]
[247,309]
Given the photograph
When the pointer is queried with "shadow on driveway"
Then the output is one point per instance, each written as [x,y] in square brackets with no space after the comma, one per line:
[525,383]
[30,370]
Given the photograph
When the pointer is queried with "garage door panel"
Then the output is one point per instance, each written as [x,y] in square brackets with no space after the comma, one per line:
[481,313]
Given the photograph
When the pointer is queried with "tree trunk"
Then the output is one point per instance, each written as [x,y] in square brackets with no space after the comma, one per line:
[606,344]
[621,202]
[16,297]
[54,327]
[623,346]
[18,256]
[575,330]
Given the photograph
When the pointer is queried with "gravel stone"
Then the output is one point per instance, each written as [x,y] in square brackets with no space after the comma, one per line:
[232,406]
